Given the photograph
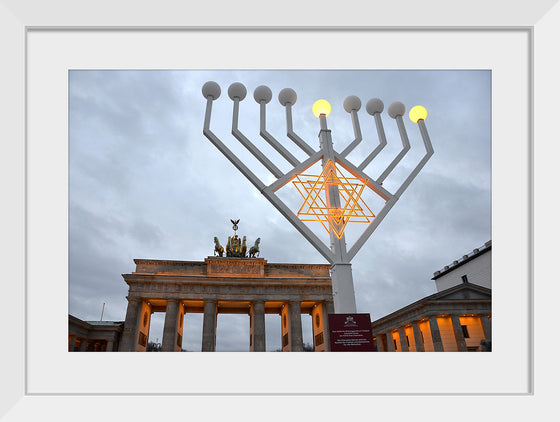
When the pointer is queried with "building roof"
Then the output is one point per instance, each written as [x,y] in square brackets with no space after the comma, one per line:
[90,324]
[465,295]
[466,258]
[105,323]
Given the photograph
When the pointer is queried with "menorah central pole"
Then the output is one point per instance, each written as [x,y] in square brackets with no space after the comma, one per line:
[341,270]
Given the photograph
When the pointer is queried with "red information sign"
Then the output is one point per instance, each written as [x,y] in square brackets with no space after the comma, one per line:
[350,333]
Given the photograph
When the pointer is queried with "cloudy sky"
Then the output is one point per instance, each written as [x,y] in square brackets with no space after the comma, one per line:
[145,183]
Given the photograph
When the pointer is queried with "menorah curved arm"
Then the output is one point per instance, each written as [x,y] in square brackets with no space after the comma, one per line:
[400,155]
[289,176]
[225,150]
[423,161]
[211,91]
[272,141]
[249,145]
[382,141]
[357,134]
[370,182]
[311,237]
[268,192]
[389,204]
[293,136]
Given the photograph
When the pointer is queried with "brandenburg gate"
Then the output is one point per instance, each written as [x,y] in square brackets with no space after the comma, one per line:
[227,285]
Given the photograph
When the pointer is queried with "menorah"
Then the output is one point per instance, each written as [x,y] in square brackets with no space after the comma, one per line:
[331,198]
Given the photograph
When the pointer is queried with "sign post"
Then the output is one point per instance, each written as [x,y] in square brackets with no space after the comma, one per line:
[351,333]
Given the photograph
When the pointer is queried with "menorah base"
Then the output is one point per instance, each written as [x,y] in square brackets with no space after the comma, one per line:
[343,288]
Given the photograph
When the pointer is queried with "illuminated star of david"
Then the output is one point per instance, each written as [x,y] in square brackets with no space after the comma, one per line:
[315,206]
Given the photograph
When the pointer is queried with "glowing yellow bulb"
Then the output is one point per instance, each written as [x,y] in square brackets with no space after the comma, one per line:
[417,113]
[321,107]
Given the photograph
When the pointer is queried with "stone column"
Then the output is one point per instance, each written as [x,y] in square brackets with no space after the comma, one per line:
[72,343]
[209,325]
[458,331]
[402,336]
[379,341]
[418,342]
[486,323]
[390,343]
[83,345]
[258,337]
[169,340]
[436,336]
[130,330]
[320,321]
[285,329]
[110,343]
[296,334]
[328,308]
[144,324]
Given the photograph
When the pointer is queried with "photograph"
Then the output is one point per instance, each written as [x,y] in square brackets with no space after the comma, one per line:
[235,210]
[362,180]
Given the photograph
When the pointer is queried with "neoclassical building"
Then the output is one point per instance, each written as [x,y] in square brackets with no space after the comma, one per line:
[93,336]
[226,285]
[456,318]
[218,285]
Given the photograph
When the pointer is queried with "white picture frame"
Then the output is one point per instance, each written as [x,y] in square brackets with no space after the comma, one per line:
[537,24]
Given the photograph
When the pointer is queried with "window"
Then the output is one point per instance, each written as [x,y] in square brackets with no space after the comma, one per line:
[142,339]
[395,343]
[464,278]
[465,331]
[407,342]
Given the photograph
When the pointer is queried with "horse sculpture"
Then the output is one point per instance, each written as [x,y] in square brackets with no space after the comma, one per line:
[228,246]
[218,249]
[255,249]
[244,247]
